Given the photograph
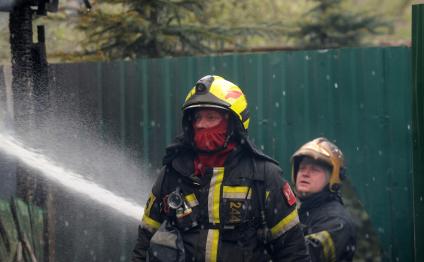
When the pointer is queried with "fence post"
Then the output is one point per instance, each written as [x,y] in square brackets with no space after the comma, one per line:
[418,128]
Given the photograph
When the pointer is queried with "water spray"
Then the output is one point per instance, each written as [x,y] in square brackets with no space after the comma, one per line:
[68,178]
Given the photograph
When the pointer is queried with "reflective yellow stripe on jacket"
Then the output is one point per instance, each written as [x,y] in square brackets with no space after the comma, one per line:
[211,253]
[214,199]
[236,192]
[285,224]
[327,244]
[149,223]
[149,205]
[214,196]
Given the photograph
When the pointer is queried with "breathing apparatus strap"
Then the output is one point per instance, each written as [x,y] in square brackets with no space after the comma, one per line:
[264,233]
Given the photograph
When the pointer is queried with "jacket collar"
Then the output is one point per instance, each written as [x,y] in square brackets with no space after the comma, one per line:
[183,162]
[180,156]
[318,199]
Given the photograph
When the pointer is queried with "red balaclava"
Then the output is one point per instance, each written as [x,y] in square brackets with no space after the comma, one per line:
[209,139]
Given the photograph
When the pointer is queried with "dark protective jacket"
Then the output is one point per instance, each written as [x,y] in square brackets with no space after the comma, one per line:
[224,218]
[328,228]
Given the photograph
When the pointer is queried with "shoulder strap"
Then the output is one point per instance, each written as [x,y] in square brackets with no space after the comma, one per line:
[264,233]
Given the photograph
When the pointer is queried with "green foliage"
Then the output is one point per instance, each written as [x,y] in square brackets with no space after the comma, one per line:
[329,25]
[119,29]
[157,28]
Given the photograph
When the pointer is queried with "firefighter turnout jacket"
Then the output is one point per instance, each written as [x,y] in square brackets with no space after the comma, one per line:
[329,231]
[221,219]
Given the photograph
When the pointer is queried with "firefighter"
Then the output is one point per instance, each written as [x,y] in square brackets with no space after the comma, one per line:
[317,172]
[219,198]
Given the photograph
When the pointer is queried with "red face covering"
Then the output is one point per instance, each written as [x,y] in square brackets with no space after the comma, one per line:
[212,138]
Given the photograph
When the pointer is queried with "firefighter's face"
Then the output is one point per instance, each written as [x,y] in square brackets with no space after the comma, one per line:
[311,177]
[207,118]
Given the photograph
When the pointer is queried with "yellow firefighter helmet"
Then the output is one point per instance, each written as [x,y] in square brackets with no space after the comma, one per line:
[216,92]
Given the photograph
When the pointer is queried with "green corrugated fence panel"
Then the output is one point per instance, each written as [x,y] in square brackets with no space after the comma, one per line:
[359,98]
[418,127]
[398,156]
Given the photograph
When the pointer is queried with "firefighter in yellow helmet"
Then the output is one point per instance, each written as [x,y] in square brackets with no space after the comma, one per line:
[317,172]
[219,198]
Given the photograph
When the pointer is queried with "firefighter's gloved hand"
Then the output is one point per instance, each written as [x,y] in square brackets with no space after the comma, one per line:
[166,244]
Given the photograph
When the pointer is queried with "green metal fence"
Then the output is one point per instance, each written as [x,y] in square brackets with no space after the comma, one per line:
[359,98]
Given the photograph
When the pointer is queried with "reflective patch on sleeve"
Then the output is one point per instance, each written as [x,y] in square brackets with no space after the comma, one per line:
[288,194]
[192,200]
[236,192]
[149,204]
[150,224]
[326,241]
[285,224]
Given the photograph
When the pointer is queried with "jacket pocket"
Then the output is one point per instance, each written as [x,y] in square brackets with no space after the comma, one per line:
[237,205]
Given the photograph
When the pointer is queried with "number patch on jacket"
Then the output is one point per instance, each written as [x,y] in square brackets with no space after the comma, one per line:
[235,211]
